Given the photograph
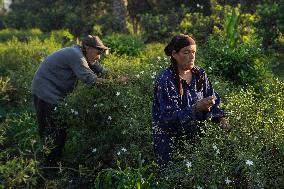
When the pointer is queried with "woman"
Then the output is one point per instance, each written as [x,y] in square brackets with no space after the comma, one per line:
[183,95]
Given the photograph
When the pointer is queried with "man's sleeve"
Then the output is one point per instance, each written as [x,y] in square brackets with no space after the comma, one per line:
[98,69]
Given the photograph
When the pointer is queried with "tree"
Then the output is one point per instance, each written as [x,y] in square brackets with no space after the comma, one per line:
[120,14]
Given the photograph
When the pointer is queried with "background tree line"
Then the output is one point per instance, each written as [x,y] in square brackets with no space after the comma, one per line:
[156,19]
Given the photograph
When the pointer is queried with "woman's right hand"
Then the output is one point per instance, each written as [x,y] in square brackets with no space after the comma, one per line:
[205,104]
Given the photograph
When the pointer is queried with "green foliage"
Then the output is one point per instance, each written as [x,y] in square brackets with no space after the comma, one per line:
[247,157]
[156,27]
[109,125]
[124,44]
[17,172]
[140,178]
[243,65]
[63,36]
[21,35]
[196,25]
[231,26]
[271,21]
[5,89]
[19,61]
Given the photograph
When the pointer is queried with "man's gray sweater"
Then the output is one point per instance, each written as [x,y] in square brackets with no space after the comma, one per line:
[57,74]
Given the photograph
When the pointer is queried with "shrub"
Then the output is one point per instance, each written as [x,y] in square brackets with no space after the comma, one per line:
[197,25]
[247,157]
[243,65]
[19,62]
[21,35]
[125,44]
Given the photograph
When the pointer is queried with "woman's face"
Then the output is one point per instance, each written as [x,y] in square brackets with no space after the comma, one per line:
[185,57]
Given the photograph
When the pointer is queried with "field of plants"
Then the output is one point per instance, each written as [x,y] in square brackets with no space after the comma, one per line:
[109,142]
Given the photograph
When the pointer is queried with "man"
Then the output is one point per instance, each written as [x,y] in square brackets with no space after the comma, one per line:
[55,78]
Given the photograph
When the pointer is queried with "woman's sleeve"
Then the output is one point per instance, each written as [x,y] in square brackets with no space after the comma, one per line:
[171,115]
[216,112]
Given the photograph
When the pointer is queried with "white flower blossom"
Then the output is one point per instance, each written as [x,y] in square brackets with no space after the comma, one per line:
[228,181]
[165,58]
[199,187]
[159,58]
[94,150]
[117,93]
[125,106]
[215,147]
[188,164]
[109,118]
[95,105]
[76,112]
[137,75]
[123,149]
[142,72]
[249,162]
[55,108]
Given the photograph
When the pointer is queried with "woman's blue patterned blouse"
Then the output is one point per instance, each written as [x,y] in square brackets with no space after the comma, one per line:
[175,115]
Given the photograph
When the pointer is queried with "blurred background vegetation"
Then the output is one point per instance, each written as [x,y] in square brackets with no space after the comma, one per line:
[240,44]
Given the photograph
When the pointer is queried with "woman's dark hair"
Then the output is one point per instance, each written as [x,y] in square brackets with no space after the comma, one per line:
[178,42]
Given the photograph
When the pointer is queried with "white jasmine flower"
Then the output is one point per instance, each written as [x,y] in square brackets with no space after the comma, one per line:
[123,149]
[188,164]
[249,162]
[217,151]
[199,187]
[125,106]
[165,58]
[95,105]
[141,72]
[117,93]
[72,110]
[215,147]
[118,153]
[217,82]
[152,76]
[197,5]
[76,112]
[55,108]
[137,75]
[124,132]
[159,58]
[94,150]
[109,118]
[228,181]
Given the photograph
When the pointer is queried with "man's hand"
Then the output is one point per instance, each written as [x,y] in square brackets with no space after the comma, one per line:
[205,104]
[101,80]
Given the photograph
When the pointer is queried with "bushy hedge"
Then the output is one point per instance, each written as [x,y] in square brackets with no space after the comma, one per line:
[244,64]
[109,140]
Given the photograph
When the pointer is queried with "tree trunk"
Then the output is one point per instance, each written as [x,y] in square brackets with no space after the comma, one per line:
[120,14]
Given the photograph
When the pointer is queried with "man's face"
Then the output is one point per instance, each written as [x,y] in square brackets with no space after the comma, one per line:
[93,53]
[185,57]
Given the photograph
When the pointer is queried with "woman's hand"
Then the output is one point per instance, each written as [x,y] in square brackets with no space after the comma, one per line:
[205,104]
